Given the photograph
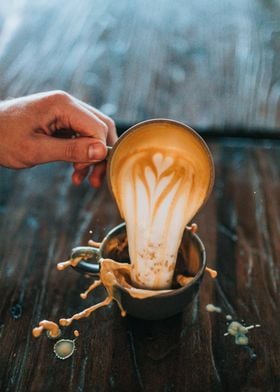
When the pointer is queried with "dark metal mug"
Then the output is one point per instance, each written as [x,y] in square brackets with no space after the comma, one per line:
[191,261]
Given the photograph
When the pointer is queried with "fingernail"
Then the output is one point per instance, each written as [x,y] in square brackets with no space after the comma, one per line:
[96,152]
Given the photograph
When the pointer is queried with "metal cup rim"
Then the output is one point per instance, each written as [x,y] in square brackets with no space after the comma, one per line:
[187,128]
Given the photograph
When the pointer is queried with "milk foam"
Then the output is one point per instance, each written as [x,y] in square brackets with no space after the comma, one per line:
[156,206]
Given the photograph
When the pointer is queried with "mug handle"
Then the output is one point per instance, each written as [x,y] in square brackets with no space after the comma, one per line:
[90,263]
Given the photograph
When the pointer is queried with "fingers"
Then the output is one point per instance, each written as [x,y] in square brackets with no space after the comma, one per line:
[66,111]
[83,121]
[84,149]
[81,170]
[96,131]
[81,165]
[79,175]
[112,132]
[97,175]
[93,125]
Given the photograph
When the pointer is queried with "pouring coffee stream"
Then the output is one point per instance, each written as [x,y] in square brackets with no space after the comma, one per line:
[160,173]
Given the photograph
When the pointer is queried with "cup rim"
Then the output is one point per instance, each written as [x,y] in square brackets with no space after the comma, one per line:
[187,128]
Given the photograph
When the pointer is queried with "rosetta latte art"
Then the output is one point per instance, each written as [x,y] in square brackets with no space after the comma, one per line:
[158,197]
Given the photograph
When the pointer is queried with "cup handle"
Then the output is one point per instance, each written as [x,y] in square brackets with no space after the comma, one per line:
[90,263]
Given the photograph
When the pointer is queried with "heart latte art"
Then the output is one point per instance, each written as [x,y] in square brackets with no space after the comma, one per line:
[159,184]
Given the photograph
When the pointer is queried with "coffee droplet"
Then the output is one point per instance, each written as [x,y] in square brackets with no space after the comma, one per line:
[212,308]
[64,348]
[236,328]
[94,243]
[241,340]
[72,262]
[213,273]
[50,336]
[239,332]
[183,280]
[193,227]
[77,255]
[53,330]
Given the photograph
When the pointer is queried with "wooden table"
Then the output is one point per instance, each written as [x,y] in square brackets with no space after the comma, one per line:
[215,68]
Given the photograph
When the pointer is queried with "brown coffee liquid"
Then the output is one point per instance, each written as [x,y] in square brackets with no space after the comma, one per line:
[114,276]
[65,264]
[49,326]
[213,273]
[94,244]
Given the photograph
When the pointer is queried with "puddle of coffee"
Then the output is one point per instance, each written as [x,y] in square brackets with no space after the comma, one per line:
[236,329]
[64,348]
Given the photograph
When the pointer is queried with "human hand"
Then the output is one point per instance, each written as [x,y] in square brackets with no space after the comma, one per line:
[27,126]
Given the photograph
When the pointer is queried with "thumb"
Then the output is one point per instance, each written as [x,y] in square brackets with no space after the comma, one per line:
[83,149]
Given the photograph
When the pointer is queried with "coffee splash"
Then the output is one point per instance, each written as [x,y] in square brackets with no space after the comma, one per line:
[53,330]
[114,277]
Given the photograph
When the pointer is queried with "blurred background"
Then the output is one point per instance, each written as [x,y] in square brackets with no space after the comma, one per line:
[212,64]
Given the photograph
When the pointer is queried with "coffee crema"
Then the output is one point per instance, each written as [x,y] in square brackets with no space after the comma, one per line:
[160,176]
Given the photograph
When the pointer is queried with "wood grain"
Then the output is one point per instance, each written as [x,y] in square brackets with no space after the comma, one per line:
[210,65]
[43,216]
